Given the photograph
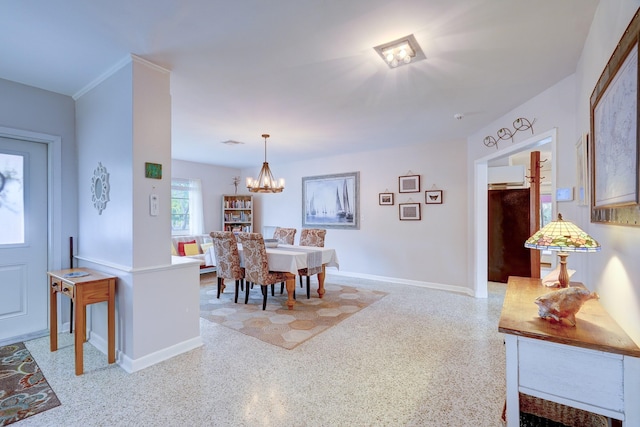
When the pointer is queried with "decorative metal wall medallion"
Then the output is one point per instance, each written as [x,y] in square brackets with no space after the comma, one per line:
[519,124]
[100,188]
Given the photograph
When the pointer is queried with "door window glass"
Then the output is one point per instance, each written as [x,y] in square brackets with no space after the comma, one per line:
[11,199]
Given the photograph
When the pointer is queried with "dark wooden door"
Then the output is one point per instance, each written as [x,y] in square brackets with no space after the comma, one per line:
[508,230]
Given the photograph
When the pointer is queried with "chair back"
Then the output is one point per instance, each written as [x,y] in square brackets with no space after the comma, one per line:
[256,263]
[225,247]
[312,237]
[285,235]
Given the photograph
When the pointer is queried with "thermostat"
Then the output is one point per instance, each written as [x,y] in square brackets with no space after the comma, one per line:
[154,205]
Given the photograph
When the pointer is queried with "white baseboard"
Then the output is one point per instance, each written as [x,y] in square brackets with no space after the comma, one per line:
[130,365]
[421,284]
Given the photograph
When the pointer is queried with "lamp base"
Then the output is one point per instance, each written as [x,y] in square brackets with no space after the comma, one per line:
[563,278]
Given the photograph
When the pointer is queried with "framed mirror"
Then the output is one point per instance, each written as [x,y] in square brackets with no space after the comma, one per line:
[100,188]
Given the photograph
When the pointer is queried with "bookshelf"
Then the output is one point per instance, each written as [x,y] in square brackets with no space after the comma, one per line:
[237,213]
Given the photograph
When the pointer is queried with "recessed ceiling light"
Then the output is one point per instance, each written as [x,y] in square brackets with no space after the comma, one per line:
[402,51]
[231,142]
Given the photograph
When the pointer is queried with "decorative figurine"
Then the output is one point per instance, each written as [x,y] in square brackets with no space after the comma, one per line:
[236,181]
[562,305]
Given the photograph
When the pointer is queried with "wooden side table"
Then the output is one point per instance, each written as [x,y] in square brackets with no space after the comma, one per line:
[594,366]
[84,287]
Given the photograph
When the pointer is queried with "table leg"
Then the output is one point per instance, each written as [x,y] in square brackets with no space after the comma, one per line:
[80,329]
[321,282]
[53,317]
[291,288]
[111,322]
[513,397]
[631,390]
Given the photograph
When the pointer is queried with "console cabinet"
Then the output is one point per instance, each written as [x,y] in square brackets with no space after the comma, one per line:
[594,366]
[237,213]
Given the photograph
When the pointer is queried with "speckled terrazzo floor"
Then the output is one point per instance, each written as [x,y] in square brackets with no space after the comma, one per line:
[417,357]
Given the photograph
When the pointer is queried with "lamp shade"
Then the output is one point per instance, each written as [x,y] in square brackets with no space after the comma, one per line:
[563,236]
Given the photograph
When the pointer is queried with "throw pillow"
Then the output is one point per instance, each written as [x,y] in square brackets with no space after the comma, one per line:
[181,247]
[205,247]
[191,249]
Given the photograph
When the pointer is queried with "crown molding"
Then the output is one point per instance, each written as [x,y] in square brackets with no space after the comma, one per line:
[115,68]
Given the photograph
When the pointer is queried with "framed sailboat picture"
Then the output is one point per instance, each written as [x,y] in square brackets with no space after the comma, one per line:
[331,201]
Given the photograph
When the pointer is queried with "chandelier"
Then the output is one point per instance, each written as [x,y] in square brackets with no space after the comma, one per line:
[265,183]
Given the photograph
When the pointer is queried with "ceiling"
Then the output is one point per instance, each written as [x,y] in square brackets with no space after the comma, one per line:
[304,71]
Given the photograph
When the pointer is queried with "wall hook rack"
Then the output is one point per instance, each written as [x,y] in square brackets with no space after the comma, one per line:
[532,179]
[538,167]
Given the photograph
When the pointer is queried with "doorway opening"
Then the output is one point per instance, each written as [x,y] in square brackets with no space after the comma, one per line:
[481,220]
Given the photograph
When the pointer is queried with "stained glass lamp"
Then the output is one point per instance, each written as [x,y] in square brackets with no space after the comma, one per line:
[564,237]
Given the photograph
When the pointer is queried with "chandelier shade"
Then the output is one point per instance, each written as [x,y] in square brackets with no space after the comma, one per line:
[265,183]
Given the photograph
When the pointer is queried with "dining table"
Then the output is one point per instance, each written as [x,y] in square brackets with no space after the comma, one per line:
[289,259]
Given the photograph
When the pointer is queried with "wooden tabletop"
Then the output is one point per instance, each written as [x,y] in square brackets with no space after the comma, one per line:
[594,329]
[90,277]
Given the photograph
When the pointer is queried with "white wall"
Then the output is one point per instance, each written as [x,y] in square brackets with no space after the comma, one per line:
[151,143]
[429,252]
[216,181]
[615,271]
[104,128]
[409,251]
[123,122]
[552,109]
[35,110]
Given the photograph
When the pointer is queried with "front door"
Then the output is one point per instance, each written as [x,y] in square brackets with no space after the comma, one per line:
[23,240]
[508,230]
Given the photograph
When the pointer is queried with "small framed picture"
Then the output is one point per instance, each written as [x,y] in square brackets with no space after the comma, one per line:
[409,211]
[433,197]
[385,199]
[409,184]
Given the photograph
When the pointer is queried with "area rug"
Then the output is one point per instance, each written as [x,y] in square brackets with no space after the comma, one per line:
[277,324]
[23,389]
